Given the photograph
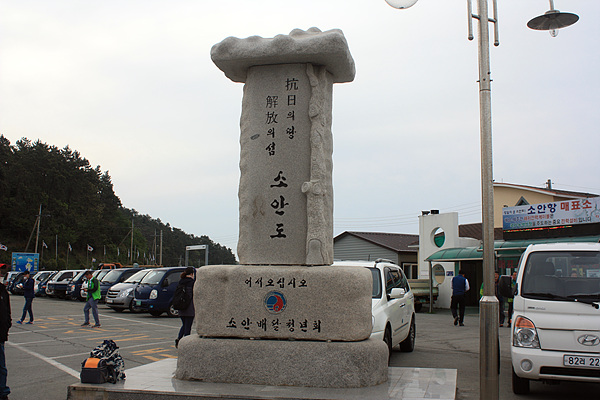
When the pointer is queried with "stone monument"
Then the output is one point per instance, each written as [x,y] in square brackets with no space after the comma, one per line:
[285,316]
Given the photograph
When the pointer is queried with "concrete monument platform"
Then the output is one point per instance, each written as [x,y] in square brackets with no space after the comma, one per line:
[155,381]
[282,362]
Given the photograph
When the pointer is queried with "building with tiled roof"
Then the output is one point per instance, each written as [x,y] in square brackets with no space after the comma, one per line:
[399,248]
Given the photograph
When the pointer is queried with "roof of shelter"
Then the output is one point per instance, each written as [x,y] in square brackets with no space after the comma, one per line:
[394,241]
[475,231]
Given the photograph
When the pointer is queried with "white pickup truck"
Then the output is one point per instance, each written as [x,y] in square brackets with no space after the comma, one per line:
[556,318]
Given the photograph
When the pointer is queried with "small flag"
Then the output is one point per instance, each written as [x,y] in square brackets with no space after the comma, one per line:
[44,244]
[70,248]
[3,247]
[90,248]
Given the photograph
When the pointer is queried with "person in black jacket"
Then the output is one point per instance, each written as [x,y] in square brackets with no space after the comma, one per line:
[187,315]
[5,324]
[29,295]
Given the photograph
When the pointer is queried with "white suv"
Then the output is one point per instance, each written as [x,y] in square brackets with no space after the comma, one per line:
[392,304]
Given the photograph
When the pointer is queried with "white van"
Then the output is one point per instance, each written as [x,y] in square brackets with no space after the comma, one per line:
[556,318]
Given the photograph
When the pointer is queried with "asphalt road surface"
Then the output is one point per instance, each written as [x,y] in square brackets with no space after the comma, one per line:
[45,358]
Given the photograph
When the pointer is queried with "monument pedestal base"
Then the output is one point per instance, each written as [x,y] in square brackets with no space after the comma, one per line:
[283,362]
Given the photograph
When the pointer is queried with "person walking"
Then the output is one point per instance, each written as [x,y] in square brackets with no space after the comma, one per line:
[460,286]
[93,296]
[187,315]
[513,284]
[5,324]
[29,295]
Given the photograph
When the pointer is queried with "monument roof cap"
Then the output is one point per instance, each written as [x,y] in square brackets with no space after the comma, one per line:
[234,56]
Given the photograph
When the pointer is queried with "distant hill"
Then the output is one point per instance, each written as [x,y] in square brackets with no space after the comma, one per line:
[80,209]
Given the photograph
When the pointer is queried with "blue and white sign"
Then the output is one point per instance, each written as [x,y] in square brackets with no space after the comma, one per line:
[559,213]
[25,261]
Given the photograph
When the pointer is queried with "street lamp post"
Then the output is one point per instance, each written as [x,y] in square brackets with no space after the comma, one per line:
[489,361]
[488,305]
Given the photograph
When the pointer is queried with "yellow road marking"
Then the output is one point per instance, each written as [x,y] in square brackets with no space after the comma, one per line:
[149,351]
[121,339]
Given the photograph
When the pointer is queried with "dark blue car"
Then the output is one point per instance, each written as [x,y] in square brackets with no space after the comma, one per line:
[155,292]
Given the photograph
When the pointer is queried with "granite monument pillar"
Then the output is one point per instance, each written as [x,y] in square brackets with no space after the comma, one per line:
[285,315]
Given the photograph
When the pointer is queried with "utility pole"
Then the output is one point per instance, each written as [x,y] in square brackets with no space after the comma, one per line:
[37,236]
[131,250]
[161,244]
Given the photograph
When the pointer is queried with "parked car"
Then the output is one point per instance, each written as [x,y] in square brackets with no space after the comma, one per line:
[155,291]
[392,304]
[113,277]
[556,315]
[41,276]
[40,287]
[9,278]
[74,287]
[120,296]
[57,286]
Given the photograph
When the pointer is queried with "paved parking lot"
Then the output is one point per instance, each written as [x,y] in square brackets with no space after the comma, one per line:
[44,358]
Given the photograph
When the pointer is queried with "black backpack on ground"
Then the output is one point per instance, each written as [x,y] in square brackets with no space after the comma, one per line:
[182,297]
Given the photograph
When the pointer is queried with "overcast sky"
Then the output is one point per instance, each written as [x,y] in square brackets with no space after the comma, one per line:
[131,86]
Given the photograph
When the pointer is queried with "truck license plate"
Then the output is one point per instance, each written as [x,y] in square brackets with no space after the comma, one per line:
[571,360]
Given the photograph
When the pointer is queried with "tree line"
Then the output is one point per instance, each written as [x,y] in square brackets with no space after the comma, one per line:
[81,217]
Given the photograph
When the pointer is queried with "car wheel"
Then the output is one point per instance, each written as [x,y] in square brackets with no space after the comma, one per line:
[171,312]
[519,385]
[408,344]
[155,313]
[387,338]
[119,310]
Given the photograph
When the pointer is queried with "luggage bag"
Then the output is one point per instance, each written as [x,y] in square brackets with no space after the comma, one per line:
[94,370]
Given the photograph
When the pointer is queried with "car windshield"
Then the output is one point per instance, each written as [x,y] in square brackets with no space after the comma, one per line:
[101,273]
[79,275]
[153,277]
[562,276]
[40,276]
[63,276]
[112,276]
[376,283]
[50,277]
[137,277]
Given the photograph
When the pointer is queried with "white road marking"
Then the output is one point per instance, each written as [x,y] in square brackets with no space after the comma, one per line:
[50,361]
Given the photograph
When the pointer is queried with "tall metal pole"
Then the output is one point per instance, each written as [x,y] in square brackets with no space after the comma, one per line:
[131,249]
[161,244]
[489,307]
